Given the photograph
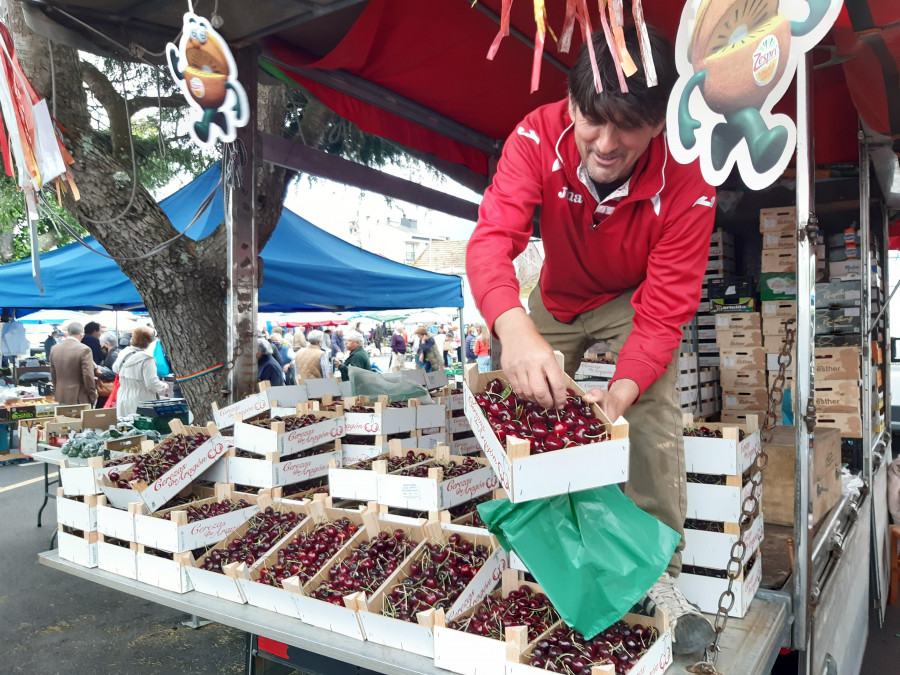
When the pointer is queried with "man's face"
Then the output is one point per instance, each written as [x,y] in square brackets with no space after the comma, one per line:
[610,152]
[352,344]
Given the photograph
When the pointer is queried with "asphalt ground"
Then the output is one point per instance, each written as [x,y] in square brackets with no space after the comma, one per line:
[52,622]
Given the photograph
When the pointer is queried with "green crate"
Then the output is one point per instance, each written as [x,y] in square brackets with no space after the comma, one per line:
[778,286]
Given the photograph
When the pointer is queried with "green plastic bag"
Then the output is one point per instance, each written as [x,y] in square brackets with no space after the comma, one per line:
[594,552]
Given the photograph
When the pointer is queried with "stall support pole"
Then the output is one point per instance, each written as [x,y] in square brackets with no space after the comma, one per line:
[804,412]
[243,265]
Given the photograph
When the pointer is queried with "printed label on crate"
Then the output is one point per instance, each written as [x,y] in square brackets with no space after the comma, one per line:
[171,482]
[249,407]
[493,450]
[480,586]
[457,425]
[469,486]
[213,529]
[464,446]
[306,468]
[319,433]
[594,369]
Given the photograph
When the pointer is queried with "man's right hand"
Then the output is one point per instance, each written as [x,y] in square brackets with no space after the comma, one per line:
[528,360]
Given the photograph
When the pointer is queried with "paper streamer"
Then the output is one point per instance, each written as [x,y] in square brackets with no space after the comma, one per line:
[616,18]
[505,10]
[565,39]
[644,39]
[540,20]
[613,52]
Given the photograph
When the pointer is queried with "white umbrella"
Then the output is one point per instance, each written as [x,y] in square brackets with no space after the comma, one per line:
[55,316]
[122,322]
[425,317]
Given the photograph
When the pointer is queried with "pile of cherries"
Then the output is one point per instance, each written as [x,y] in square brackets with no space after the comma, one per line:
[547,429]
[158,461]
[291,422]
[210,510]
[567,651]
[371,410]
[706,432]
[717,574]
[366,567]
[308,552]
[522,607]
[451,469]
[394,463]
[437,577]
[266,529]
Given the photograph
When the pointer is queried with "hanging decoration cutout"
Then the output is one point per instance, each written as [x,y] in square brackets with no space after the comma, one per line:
[31,145]
[203,66]
[735,60]
[577,12]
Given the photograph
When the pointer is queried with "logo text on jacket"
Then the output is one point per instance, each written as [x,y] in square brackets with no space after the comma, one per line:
[573,197]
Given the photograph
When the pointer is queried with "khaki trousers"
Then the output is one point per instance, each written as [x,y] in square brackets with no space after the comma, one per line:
[656,479]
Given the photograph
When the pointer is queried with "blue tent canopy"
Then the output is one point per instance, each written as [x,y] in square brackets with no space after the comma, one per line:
[304,268]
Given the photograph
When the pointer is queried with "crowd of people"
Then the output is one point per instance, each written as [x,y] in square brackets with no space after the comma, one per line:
[91,365]
[286,355]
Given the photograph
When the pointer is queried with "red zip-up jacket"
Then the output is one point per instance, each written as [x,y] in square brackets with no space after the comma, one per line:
[655,239]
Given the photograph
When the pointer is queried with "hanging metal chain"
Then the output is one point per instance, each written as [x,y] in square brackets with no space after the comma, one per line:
[750,506]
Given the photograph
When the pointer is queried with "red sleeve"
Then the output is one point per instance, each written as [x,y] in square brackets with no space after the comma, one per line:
[504,228]
[669,296]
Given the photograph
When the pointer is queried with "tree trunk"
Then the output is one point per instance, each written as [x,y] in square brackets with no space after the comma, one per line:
[183,286]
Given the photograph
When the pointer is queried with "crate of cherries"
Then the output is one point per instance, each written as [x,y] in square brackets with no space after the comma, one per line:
[360,481]
[721,449]
[197,524]
[452,571]
[372,558]
[376,418]
[214,573]
[272,581]
[442,481]
[156,476]
[544,452]
[635,644]
[308,428]
[475,641]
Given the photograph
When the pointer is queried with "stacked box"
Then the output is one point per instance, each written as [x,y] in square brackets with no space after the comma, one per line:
[740,341]
[698,369]
[720,460]
[596,370]
[778,227]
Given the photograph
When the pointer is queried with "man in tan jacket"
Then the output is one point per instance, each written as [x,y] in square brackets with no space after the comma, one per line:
[72,369]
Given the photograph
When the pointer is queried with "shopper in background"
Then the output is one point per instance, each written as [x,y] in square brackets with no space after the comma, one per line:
[471,336]
[299,339]
[398,351]
[428,353]
[313,362]
[267,368]
[626,232]
[415,345]
[72,369]
[275,345]
[109,343]
[280,347]
[337,342]
[358,356]
[136,369]
[92,339]
[50,342]
[482,349]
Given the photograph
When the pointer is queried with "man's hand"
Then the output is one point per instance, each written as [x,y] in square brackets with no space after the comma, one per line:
[617,400]
[528,361]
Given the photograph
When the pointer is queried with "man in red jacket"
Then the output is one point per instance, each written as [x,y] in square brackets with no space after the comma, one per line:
[626,234]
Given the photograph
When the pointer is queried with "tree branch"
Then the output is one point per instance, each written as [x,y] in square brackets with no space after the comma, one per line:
[114,104]
[139,103]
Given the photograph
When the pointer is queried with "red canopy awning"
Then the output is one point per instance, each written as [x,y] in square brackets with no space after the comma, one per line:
[434,53]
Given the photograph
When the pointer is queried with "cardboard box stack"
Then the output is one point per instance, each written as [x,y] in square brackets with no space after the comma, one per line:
[740,341]
[698,368]
[719,459]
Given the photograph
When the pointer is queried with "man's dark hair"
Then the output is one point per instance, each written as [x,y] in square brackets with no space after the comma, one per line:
[91,327]
[642,105]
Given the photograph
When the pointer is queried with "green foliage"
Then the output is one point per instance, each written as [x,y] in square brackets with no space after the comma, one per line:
[12,218]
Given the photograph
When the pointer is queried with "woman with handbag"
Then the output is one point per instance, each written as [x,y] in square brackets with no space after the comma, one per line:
[136,369]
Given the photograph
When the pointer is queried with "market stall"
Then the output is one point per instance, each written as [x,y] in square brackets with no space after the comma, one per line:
[824,585]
